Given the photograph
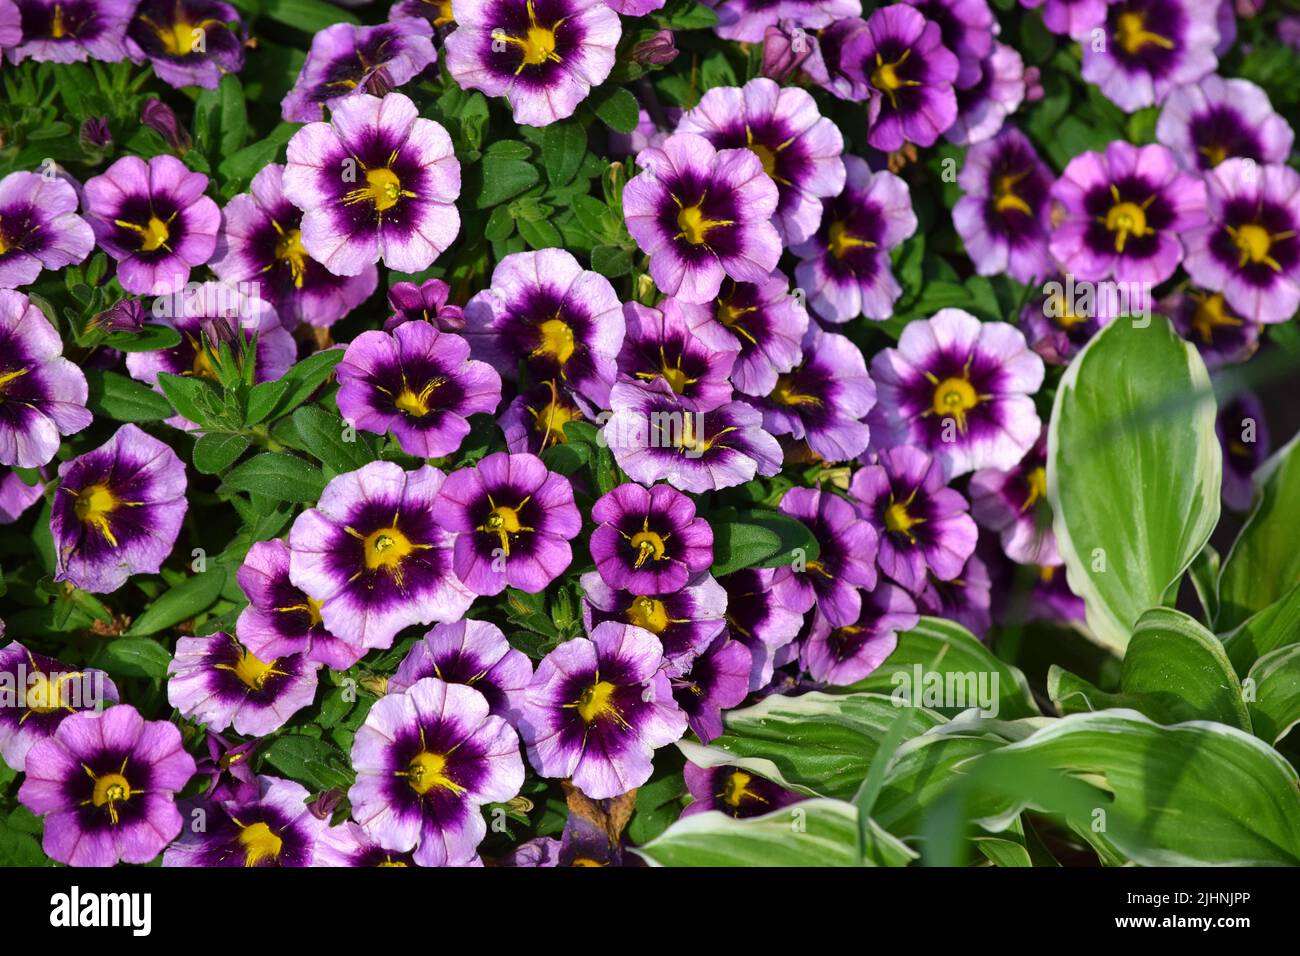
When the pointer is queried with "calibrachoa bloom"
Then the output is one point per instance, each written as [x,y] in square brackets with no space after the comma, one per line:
[474,653]
[758,619]
[424,303]
[417,383]
[427,759]
[375,557]
[280,619]
[513,521]
[564,321]
[702,214]
[117,511]
[746,20]
[598,708]
[1014,504]
[959,389]
[189,42]
[1205,320]
[347,60]
[1064,318]
[37,693]
[378,181]
[965,599]
[437,12]
[1243,435]
[1123,212]
[687,621]
[261,242]
[846,654]
[846,262]
[693,356]
[1004,217]
[543,56]
[1250,251]
[105,784]
[798,147]
[153,218]
[717,680]
[72,31]
[1152,47]
[271,827]
[649,541]
[39,228]
[219,682]
[42,394]
[16,496]
[735,792]
[349,845]
[846,559]
[1216,119]
[535,419]
[1073,18]
[966,28]
[984,107]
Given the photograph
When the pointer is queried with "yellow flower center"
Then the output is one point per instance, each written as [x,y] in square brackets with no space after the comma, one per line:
[648,545]
[649,613]
[444,17]
[386,548]
[384,186]
[765,156]
[1214,152]
[550,419]
[840,240]
[290,249]
[427,771]
[1126,219]
[899,520]
[555,340]
[1005,198]
[597,701]
[1254,242]
[1133,36]
[94,505]
[111,789]
[694,227]
[182,37]
[537,44]
[153,235]
[252,670]
[886,79]
[45,696]
[1036,480]
[417,404]
[953,398]
[260,844]
[787,392]
[735,790]
[503,521]
[1212,313]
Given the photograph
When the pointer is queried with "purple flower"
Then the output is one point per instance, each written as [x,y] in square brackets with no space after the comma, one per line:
[105,784]
[966,28]
[1073,18]
[759,620]
[846,560]
[347,60]
[1217,119]
[687,621]
[653,435]
[959,389]
[427,760]
[923,524]
[535,419]
[649,541]
[95,133]
[189,42]
[16,496]
[1153,46]
[544,56]
[1123,211]
[702,214]
[71,31]
[1061,320]
[717,680]
[41,693]
[513,521]
[565,322]
[42,394]
[799,148]
[846,262]
[11,24]
[162,119]
[39,228]
[270,827]
[693,356]
[964,599]
[261,241]
[125,315]
[348,844]
[982,109]
[474,653]
[423,303]
[1205,320]
[1014,504]
[1250,251]
[823,400]
[117,511]
[786,46]
[1243,435]
[218,682]
[417,383]
[845,655]
[437,12]
[598,709]
[377,182]
[748,20]
[228,760]
[733,791]
[1005,213]
[375,557]
[154,220]
[280,620]
[766,321]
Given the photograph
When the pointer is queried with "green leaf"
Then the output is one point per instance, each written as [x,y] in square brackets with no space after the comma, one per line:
[244,165]
[1276,626]
[135,657]
[150,338]
[316,764]
[276,476]
[304,378]
[495,180]
[1133,471]
[194,398]
[1275,682]
[309,16]
[611,261]
[563,146]
[322,435]
[539,234]
[616,107]
[263,399]
[217,451]
[737,545]
[123,399]
[187,599]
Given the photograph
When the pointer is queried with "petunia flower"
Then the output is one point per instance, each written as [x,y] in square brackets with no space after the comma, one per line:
[543,56]
[228,769]
[513,520]
[982,109]
[786,47]
[799,148]
[418,383]
[960,390]
[736,792]
[473,653]
[846,654]
[845,265]
[427,302]
[1205,319]
[686,621]
[693,356]
[153,218]
[845,563]
[534,420]
[747,20]
[378,181]
[1013,503]
[759,620]
[1243,436]
[1004,214]
[437,12]
[348,60]
[1072,18]
[348,844]
[427,760]
[42,394]
[923,524]
[11,26]
[1250,251]
[270,827]
[564,321]
[16,496]
[375,556]
[188,42]
[1061,320]
[649,541]
[966,28]
[702,214]
[117,511]
[217,681]
[261,242]
[598,708]
[105,784]
[1216,119]
[717,680]
[44,692]
[965,599]
[71,31]
[39,228]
